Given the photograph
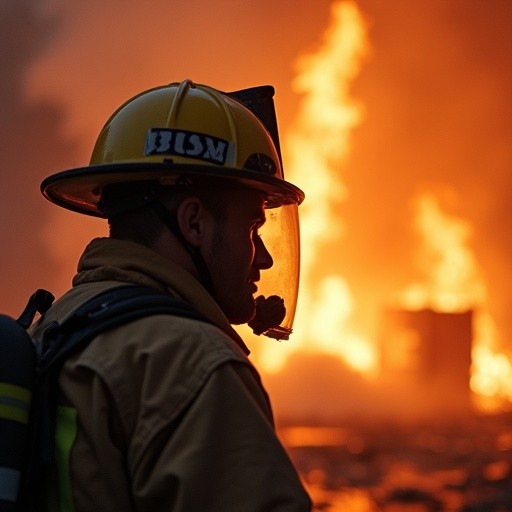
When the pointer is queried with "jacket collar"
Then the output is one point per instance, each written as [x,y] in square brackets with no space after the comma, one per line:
[106,259]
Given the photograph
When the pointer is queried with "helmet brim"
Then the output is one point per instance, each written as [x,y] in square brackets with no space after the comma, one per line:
[80,189]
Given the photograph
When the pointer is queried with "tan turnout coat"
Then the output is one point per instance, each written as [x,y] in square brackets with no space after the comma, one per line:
[164,413]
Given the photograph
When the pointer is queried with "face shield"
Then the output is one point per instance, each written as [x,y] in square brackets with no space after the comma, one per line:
[279,285]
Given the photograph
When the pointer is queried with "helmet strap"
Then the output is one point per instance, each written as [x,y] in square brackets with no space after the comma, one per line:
[170,220]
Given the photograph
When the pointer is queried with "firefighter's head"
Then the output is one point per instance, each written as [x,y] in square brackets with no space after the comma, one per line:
[190,157]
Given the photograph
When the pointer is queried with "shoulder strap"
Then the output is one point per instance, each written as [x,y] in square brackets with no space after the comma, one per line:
[109,309]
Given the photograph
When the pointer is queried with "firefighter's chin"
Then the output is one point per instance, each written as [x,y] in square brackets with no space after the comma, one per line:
[241,312]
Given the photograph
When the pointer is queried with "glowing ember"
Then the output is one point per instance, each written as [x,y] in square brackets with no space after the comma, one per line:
[313,436]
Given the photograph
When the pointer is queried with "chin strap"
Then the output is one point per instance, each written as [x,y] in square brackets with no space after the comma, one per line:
[171,221]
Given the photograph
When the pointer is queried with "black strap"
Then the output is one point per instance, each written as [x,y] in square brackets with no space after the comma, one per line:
[109,309]
[39,302]
[112,308]
[171,221]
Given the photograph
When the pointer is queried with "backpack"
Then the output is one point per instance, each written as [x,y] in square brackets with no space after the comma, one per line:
[29,371]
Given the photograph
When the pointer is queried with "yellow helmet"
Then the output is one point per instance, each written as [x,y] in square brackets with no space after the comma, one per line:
[175,133]
[179,131]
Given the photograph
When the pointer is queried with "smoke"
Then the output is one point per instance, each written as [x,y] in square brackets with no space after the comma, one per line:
[66,67]
[439,110]
[31,145]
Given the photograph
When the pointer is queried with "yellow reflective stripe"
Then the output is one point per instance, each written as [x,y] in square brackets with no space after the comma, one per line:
[65,436]
[14,413]
[16,392]
[14,402]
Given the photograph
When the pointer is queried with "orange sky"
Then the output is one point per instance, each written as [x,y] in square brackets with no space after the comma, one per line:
[436,90]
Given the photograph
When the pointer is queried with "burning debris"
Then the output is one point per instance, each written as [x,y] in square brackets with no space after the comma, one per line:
[426,359]
[452,283]
[444,466]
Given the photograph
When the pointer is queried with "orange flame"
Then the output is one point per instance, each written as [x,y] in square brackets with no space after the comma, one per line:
[316,148]
[453,283]
[491,372]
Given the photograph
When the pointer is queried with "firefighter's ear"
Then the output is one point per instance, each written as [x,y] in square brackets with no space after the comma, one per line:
[192,220]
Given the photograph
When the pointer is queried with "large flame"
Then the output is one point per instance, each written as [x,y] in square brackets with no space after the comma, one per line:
[452,282]
[316,148]
[491,371]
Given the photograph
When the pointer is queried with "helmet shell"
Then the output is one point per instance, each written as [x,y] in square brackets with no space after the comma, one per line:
[172,133]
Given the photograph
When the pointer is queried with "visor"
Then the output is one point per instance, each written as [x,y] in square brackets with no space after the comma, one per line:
[280,233]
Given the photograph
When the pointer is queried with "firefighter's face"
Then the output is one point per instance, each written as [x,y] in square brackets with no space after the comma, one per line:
[236,254]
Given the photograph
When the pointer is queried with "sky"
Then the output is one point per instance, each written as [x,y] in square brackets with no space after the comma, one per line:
[435,90]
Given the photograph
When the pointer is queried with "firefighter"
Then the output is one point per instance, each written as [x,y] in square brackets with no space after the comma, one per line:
[168,413]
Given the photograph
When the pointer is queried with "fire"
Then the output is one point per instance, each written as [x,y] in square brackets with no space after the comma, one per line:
[491,378]
[315,150]
[452,282]
[451,278]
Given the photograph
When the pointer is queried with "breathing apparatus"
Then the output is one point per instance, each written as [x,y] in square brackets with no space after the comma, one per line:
[177,135]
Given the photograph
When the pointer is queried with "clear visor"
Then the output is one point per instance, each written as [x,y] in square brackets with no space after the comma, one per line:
[280,234]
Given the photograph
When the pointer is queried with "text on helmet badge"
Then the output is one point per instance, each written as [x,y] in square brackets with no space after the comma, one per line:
[164,141]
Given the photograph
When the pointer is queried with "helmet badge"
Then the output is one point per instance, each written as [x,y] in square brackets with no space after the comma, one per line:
[164,141]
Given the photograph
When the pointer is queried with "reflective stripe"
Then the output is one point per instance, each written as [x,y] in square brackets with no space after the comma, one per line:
[65,438]
[14,402]
[9,483]
[17,392]
[13,413]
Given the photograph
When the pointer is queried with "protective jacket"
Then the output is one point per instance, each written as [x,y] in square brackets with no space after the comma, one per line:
[165,413]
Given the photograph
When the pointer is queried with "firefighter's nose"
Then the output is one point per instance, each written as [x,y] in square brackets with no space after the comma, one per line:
[262,258]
